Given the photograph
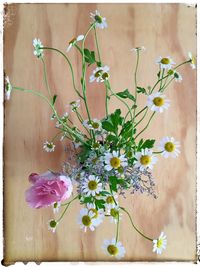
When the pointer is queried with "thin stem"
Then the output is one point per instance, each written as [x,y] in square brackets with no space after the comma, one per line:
[140,111]
[142,118]
[52,140]
[146,125]
[70,65]
[78,48]
[158,152]
[45,78]
[165,86]
[117,233]
[67,203]
[96,40]
[148,238]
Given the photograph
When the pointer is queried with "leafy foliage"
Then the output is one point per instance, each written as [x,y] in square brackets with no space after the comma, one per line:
[126,94]
[89,56]
[141,90]
[113,121]
[149,143]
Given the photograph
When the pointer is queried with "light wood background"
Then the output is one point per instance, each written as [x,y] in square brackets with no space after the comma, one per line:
[164,29]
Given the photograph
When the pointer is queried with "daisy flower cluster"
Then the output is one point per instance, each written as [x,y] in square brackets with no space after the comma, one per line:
[110,156]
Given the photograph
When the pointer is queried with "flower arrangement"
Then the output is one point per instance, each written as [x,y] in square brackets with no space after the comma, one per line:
[111,157]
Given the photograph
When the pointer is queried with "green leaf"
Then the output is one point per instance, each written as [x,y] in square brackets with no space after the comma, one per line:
[88,200]
[112,122]
[106,125]
[113,183]
[100,203]
[126,94]
[149,143]
[89,56]
[54,99]
[141,90]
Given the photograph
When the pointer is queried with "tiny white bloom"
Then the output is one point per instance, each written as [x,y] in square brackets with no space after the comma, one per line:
[100,74]
[170,147]
[87,124]
[145,159]
[74,41]
[56,207]
[138,48]
[52,224]
[160,244]
[158,102]
[91,186]
[114,160]
[49,146]
[113,248]
[96,125]
[100,22]
[74,105]
[114,214]
[165,62]
[86,219]
[8,88]
[192,60]
[110,202]
[98,214]
[37,45]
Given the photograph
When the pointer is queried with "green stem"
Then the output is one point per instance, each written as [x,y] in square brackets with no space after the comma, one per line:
[146,125]
[70,66]
[165,86]
[97,44]
[148,238]
[140,111]
[79,49]
[117,233]
[135,81]
[67,203]
[142,118]
[45,78]
[52,140]
[158,152]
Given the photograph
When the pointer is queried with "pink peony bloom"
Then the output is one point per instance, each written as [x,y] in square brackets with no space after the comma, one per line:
[47,189]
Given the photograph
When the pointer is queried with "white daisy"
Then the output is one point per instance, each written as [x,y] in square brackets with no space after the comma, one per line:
[74,105]
[138,48]
[114,214]
[56,207]
[8,88]
[98,214]
[157,102]
[165,62]
[145,159]
[114,161]
[100,74]
[160,244]
[176,74]
[100,22]
[49,146]
[170,147]
[192,60]
[110,202]
[37,45]
[95,125]
[52,224]
[86,220]
[113,248]
[74,41]
[91,186]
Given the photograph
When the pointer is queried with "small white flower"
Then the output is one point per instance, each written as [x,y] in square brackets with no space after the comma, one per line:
[8,88]
[113,248]
[141,48]
[56,207]
[86,220]
[87,124]
[98,214]
[158,102]
[145,159]
[170,147]
[37,45]
[110,202]
[52,224]
[114,160]
[74,105]
[160,244]
[91,186]
[114,214]
[165,62]
[49,146]
[192,60]
[74,41]
[96,125]
[100,74]
[100,22]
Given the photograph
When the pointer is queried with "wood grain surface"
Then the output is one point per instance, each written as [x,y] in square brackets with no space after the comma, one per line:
[164,29]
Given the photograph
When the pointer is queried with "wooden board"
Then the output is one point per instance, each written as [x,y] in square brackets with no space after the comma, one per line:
[164,29]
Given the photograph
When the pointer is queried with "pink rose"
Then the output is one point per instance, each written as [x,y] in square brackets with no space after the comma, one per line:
[48,188]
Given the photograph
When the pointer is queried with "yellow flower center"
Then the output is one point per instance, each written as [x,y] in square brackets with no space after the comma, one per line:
[109,200]
[96,145]
[159,243]
[115,162]
[92,185]
[165,61]
[98,19]
[95,125]
[50,146]
[158,101]
[170,72]
[98,73]
[105,75]
[112,250]
[52,223]
[95,213]
[86,220]
[169,147]
[114,213]
[145,160]
[94,160]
